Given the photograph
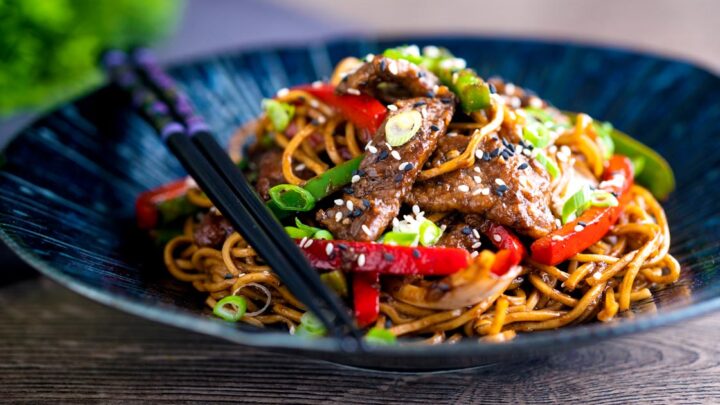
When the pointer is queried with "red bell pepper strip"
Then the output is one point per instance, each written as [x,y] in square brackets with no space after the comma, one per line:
[504,239]
[566,242]
[384,259]
[146,210]
[505,259]
[362,110]
[366,297]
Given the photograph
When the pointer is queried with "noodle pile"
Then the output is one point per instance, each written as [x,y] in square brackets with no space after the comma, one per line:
[600,283]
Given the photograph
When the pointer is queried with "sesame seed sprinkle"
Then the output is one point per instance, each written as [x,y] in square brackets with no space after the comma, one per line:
[349,204]
[371,149]
[338,216]
[366,230]
[464,188]
[578,228]
[361,259]
[479,154]
[355,179]
[416,209]
[476,245]
[396,155]
[283,92]
[309,242]
[474,254]
[476,169]
[499,182]
[316,84]
[300,167]
[477,179]
[338,202]
[329,248]
[475,233]
[523,166]
[392,107]
[302,241]
[497,238]
[354,92]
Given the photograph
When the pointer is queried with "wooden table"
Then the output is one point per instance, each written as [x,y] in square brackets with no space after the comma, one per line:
[58,346]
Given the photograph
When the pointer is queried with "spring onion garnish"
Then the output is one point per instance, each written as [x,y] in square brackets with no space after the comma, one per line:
[310,326]
[576,204]
[289,197]
[401,127]
[547,163]
[604,130]
[279,113]
[379,336]
[429,233]
[336,281]
[400,238]
[306,231]
[231,316]
[602,198]
[536,133]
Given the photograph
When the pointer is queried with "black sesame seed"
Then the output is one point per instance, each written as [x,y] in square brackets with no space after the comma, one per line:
[356,212]
[523,166]
[342,246]
[434,127]
[499,193]
[398,178]
[430,94]
[486,157]
[511,147]
[502,188]
[344,79]
[382,155]
[495,152]
[505,154]
[466,230]
[446,100]
[614,194]
[366,203]
[493,90]
[389,257]
[416,253]
[419,104]
[504,142]
[581,223]
[420,74]
[314,121]
[348,190]
[361,172]
[382,64]
[408,167]
[228,276]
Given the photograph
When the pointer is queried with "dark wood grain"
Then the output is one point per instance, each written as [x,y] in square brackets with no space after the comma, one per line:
[57,346]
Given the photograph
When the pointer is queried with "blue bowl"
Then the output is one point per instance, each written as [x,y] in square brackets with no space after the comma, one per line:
[69,182]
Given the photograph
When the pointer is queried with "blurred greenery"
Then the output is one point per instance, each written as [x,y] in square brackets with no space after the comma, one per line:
[49,48]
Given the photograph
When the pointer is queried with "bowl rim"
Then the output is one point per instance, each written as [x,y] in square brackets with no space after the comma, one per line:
[173,316]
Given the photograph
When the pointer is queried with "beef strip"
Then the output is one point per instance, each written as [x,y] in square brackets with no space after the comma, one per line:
[516,95]
[269,165]
[389,80]
[458,233]
[212,230]
[504,186]
[374,199]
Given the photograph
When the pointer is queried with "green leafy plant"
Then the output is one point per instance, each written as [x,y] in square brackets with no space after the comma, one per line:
[49,48]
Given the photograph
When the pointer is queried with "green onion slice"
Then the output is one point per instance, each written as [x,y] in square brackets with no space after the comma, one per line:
[323,234]
[310,326]
[401,127]
[537,134]
[604,130]
[400,238]
[231,316]
[279,113]
[429,233]
[289,197]
[576,204]
[297,233]
[379,336]
[602,198]
[547,163]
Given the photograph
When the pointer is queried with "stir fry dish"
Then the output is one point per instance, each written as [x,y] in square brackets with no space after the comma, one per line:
[439,204]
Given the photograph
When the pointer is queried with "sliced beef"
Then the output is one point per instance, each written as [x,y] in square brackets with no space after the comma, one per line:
[386,175]
[459,233]
[269,165]
[504,186]
[517,96]
[389,80]
[212,230]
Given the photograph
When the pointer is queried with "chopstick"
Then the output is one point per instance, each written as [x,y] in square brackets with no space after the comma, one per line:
[206,161]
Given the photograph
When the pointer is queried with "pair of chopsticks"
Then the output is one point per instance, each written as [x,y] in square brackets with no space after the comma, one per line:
[168,110]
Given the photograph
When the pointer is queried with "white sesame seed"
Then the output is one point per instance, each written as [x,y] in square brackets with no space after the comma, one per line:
[354,92]
[302,241]
[486,191]
[309,242]
[338,216]
[509,88]
[479,154]
[355,179]
[464,188]
[557,222]
[392,107]
[349,204]
[477,179]
[283,92]
[371,149]
[416,209]
[395,155]
[451,134]
[526,152]
[395,222]
[443,227]
[597,275]
[321,119]
[317,83]
[476,169]
[366,229]
[497,238]
[556,237]
[338,202]
[499,182]
[474,254]
[314,103]
[476,245]
[402,166]
[476,234]
[361,259]
[392,67]
[329,248]
[578,228]
[300,167]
